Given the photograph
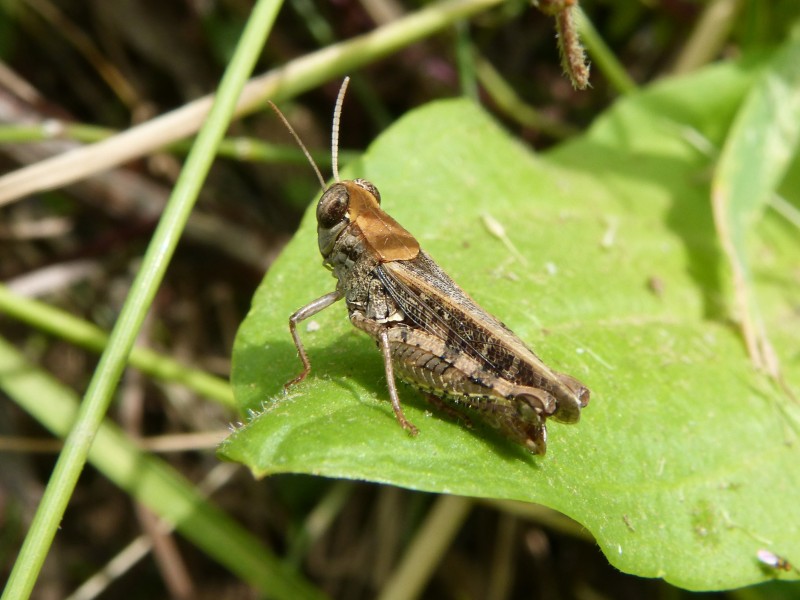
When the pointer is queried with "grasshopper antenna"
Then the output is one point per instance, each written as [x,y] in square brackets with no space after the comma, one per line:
[301,144]
[337,118]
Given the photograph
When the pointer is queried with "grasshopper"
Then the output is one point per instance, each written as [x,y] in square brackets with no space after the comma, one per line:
[431,334]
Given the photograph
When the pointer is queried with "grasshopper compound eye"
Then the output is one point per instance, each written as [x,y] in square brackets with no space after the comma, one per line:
[333,205]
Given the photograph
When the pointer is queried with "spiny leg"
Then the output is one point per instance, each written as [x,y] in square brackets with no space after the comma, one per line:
[383,339]
[309,310]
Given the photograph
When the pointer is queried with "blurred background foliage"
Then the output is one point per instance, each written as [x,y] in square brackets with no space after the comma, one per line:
[73,71]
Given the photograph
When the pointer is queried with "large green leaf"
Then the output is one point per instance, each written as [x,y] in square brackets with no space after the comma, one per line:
[685,462]
[758,150]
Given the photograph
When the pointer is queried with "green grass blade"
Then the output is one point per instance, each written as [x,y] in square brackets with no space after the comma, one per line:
[758,150]
[602,56]
[113,360]
[159,366]
[152,482]
[285,81]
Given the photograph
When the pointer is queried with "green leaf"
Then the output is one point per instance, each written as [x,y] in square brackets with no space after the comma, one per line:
[753,162]
[684,464]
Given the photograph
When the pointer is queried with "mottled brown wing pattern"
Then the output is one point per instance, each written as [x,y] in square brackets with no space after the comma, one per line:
[426,311]
[436,304]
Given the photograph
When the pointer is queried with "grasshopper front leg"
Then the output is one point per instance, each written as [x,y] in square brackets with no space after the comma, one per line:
[309,310]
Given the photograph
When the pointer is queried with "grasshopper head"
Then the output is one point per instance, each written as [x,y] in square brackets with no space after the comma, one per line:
[334,210]
[358,203]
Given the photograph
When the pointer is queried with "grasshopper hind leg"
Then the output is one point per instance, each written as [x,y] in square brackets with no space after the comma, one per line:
[446,409]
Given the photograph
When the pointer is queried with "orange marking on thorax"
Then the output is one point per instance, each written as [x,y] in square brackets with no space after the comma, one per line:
[390,240]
